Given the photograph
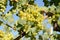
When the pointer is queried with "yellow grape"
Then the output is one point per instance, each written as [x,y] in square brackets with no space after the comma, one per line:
[34,34]
[14,0]
[1,33]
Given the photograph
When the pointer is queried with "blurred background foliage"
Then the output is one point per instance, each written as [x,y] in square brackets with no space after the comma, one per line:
[30,20]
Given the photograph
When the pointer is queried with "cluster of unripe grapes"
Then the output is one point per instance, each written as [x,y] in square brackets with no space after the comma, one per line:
[3,5]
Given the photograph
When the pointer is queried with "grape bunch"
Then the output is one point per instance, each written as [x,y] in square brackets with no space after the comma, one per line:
[3,5]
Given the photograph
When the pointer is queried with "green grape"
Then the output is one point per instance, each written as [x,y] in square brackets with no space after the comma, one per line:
[3,5]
